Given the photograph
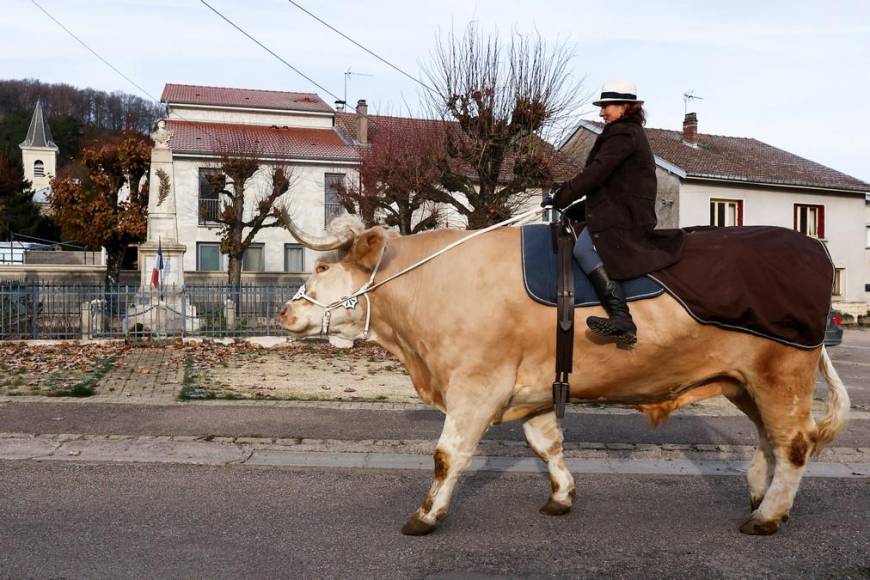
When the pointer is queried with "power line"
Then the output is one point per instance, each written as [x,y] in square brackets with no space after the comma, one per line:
[270,51]
[94,52]
[348,38]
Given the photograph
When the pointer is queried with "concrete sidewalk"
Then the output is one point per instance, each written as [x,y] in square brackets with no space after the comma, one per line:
[509,456]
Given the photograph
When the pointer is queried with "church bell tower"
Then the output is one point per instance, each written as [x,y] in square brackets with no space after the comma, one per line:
[39,152]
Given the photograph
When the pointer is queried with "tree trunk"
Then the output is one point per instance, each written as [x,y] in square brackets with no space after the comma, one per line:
[114,256]
[234,271]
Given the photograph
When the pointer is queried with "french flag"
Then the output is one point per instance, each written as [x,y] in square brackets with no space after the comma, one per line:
[158,266]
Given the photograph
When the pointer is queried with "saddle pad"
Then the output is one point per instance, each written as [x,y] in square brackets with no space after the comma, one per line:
[764,280]
[540,269]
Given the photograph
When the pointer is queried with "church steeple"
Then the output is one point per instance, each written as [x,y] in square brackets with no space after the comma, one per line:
[39,152]
[39,133]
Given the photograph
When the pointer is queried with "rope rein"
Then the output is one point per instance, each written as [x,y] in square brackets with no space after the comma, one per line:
[350,301]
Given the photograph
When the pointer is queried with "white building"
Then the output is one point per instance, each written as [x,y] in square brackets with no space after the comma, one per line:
[724,181]
[296,130]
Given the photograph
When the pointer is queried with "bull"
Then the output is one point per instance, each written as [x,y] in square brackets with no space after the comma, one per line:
[480,350]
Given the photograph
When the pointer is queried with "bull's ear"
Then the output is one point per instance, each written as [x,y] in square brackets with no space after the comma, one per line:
[368,246]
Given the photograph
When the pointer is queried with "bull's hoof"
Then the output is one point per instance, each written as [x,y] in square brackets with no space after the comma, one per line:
[755,527]
[554,508]
[417,527]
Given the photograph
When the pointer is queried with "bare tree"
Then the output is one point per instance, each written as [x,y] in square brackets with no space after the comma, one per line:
[399,175]
[503,102]
[248,190]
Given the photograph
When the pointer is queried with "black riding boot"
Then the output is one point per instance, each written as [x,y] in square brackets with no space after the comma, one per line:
[619,325]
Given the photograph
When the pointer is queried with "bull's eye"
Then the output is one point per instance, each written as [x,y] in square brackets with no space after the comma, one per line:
[321,268]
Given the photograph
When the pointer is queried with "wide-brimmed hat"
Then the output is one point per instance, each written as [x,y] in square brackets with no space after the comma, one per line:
[618,92]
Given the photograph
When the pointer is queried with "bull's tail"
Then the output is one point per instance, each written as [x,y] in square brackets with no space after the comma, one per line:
[837,405]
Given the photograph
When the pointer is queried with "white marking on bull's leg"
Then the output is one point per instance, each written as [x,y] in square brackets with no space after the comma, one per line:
[545,438]
[779,496]
[459,438]
[760,472]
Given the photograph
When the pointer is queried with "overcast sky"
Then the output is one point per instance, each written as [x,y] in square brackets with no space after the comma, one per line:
[795,74]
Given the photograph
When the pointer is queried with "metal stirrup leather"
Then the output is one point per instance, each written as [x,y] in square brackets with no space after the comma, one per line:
[563,245]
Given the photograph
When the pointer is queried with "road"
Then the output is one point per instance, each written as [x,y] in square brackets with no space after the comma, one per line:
[175,521]
[91,511]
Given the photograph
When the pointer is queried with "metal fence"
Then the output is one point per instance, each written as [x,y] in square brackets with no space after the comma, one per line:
[64,311]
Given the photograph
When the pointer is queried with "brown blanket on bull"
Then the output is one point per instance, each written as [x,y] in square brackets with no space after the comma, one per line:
[765,280]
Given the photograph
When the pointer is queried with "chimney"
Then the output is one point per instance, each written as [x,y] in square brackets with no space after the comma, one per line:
[362,111]
[339,106]
[690,129]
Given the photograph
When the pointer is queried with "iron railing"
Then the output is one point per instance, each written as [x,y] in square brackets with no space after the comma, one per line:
[209,211]
[331,211]
[47,310]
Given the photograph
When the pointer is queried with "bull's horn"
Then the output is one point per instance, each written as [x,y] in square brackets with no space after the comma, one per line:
[332,241]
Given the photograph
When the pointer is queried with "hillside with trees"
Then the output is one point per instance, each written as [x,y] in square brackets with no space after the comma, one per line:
[74,115]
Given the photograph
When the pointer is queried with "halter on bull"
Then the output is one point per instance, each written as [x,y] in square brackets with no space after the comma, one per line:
[480,350]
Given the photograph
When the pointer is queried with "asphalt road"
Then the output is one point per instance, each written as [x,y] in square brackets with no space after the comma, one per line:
[174,521]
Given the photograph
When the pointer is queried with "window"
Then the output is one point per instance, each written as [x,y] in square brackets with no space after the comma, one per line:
[839,281]
[810,220]
[867,237]
[208,257]
[38,169]
[333,183]
[253,260]
[726,212]
[294,258]
[211,182]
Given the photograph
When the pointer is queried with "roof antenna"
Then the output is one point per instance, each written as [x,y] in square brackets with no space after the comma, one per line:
[347,74]
[689,96]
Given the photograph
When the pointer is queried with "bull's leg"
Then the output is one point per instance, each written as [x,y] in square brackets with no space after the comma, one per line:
[459,438]
[545,438]
[760,472]
[785,409]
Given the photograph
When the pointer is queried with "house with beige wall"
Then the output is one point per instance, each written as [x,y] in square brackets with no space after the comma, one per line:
[725,181]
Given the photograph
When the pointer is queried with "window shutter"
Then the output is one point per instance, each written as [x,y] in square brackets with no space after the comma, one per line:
[821,228]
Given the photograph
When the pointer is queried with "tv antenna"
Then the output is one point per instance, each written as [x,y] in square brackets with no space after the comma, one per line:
[349,73]
[689,96]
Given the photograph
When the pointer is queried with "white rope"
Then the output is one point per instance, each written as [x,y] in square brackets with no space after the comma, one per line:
[507,222]
[350,300]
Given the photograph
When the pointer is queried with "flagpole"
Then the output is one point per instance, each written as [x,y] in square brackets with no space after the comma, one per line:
[160,267]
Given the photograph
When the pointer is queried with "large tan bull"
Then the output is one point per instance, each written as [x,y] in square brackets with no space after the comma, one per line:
[481,351]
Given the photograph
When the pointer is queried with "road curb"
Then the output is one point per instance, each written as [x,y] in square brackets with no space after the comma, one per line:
[689,459]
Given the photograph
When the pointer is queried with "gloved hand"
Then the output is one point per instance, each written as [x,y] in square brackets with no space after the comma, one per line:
[547,201]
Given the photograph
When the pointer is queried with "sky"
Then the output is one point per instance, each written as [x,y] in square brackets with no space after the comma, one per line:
[794,74]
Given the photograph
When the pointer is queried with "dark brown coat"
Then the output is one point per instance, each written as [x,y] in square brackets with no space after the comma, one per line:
[619,181]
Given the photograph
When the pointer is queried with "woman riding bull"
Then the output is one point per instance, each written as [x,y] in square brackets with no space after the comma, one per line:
[619,240]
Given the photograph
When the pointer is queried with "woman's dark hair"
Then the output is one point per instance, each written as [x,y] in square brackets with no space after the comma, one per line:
[635,113]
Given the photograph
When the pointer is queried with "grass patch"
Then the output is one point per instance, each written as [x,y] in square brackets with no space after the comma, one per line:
[84,387]
[190,387]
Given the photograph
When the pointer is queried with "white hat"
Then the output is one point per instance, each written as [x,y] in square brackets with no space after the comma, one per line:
[617,92]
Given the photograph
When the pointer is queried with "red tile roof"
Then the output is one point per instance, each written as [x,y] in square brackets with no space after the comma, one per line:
[564,167]
[199,95]
[747,160]
[280,142]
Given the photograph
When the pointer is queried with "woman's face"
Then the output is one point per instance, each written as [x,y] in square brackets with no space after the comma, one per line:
[611,112]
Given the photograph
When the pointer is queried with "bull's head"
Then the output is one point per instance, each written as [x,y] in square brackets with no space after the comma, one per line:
[357,252]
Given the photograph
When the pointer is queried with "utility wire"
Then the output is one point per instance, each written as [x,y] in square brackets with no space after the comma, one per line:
[94,52]
[348,38]
[270,51]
